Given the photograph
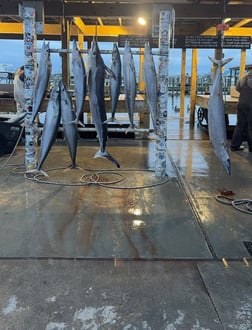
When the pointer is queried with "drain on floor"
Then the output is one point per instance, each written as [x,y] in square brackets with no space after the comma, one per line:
[248,246]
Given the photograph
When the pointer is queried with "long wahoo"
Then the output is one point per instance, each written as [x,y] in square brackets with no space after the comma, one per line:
[42,79]
[69,127]
[115,82]
[150,78]
[50,127]
[80,81]
[96,77]
[216,117]
[129,77]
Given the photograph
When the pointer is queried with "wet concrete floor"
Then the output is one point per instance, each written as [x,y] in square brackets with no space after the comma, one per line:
[102,248]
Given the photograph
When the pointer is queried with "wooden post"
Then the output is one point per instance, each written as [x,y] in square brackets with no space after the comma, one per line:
[28,15]
[141,83]
[242,63]
[166,18]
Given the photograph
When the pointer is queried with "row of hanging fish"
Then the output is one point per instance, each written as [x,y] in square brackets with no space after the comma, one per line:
[130,85]
[95,82]
[59,107]
[60,103]
[81,85]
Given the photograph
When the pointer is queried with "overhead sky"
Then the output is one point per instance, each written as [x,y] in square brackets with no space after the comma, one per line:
[12,55]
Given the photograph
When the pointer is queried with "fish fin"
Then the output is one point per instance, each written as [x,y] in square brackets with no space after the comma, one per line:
[43,173]
[105,154]
[80,123]
[227,60]
[17,119]
[130,128]
[110,72]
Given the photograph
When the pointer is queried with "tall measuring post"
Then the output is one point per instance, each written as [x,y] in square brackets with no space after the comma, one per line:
[28,15]
[166,21]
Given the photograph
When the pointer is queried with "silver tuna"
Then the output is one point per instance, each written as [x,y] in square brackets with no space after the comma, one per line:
[42,79]
[80,81]
[50,127]
[69,127]
[96,76]
[216,117]
[150,78]
[115,81]
[129,78]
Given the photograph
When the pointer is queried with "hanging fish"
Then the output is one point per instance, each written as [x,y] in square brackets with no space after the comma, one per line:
[96,77]
[216,117]
[69,127]
[129,77]
[50,127]
[42,79]
[115,81]
[80,81]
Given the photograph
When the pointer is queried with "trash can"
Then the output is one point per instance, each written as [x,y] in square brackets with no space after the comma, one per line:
[9,134]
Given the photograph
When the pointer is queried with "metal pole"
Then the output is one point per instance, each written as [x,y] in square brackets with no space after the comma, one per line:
[193,91]
[29,46]
[183,82]
[165,20]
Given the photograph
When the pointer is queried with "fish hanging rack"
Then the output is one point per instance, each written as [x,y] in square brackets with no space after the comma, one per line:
[86,51]
[111,129]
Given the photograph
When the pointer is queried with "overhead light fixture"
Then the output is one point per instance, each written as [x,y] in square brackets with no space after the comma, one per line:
[226,20]
[141,21]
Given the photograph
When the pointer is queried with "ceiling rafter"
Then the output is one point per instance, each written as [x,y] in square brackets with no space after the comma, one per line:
[193,17]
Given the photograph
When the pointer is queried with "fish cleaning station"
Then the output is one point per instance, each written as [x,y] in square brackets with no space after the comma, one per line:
[122,205]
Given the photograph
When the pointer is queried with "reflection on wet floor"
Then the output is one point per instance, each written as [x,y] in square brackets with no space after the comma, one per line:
[129,219]
[179,129]
[100,211]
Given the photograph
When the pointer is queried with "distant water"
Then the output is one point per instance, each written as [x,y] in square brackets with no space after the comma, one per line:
[174,106]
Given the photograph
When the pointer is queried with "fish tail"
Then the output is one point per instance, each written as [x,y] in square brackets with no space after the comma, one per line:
[73,167]
[80,123]
[105,154]
[76,122]
[37,171]
[219,62]
[227,166]
[112,120]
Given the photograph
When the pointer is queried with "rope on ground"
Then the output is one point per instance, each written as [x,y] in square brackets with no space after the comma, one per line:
[242,205]
[96,177]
